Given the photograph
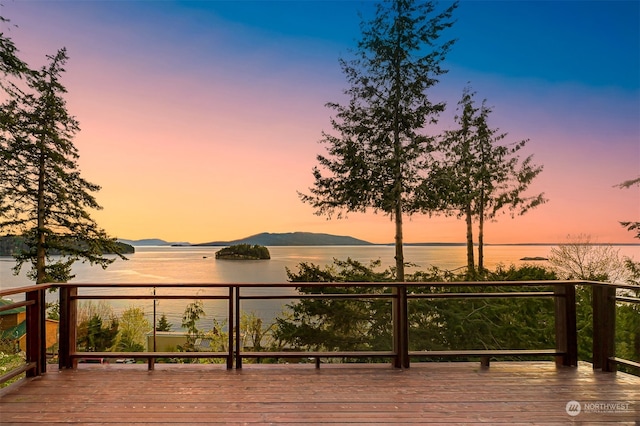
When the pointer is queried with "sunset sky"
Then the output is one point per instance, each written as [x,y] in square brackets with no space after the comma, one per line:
[201,120]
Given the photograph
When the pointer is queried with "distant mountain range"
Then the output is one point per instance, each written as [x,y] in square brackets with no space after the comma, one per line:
[265,239]
[280,239]
[292,239]
[301,239]
[148,242]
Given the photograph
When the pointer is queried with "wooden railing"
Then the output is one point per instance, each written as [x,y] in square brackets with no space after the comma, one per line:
[605,297]
[36,355]
[69,356]
[565,320]
[565,351]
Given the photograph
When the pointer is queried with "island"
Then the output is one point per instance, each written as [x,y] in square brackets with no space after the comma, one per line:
[243,252]
[12,245]
[292,239]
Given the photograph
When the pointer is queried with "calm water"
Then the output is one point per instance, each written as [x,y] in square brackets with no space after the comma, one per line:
[198,264]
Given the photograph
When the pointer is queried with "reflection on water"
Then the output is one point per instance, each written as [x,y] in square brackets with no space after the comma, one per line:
[198,265]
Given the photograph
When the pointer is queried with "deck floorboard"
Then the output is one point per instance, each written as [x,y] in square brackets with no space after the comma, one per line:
[262,394]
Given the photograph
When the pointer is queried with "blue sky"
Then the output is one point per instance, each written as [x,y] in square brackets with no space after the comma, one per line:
[595,43]
[176,95]
[592,42]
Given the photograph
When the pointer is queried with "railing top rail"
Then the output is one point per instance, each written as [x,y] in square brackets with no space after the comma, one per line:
[408,285]
[25,289]
[603,284]
[325,284]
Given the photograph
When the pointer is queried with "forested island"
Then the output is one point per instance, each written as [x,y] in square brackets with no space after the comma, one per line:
[244,252]
[13,244]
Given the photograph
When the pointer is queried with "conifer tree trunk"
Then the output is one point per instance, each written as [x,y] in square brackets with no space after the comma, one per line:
[399,257]
[397,150]
[471,267]
[481,235]
[40,226]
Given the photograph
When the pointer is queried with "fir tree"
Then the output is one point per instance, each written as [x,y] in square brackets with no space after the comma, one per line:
[43,197]
[376,158]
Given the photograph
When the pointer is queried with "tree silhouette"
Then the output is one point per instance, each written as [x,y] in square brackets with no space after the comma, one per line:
[376,158]
[43,197]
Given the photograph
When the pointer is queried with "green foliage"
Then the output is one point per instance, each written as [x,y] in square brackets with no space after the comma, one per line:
[628,330]
[8,344]
[243,252]
[9,360]
[133,330]
[521,273]
[322,324]
[97,323]
[192,314]
[580,259]
[444,324]
[163,324]
[53,310]
[628,318]
[255,335]
[96,336]
[218,338]
[628,314]
[11,245]
[477,323]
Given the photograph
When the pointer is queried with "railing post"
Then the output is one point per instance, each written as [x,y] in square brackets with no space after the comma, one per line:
[67,326]
[400,327]
[231,334]
[604,326]
[35,332]
[43,333]
[236,330]
[566,324]
[596,310]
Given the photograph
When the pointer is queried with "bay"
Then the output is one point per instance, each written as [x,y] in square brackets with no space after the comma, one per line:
[166,264]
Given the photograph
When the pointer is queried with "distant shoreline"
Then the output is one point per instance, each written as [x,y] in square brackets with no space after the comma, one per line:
[179,245]
[293,239]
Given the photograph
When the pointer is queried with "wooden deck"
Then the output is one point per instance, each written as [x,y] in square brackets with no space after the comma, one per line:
[438,393]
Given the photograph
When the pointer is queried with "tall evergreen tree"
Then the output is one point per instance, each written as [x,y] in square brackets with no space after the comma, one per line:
[482,175]
[460,168]
[376,158]
[163,324]
[504,178]
[42,195]
[96,335]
